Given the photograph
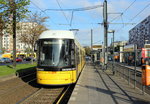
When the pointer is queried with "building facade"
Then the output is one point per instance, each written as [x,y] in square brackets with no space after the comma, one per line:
[7,39]
[119,43]
[140,34]
[7,42]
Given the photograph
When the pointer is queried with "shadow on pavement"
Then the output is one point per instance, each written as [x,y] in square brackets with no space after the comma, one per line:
[128,98]
[28,75]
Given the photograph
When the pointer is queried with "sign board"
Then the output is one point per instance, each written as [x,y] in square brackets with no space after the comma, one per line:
[97,46]
[147,46]
[129,48]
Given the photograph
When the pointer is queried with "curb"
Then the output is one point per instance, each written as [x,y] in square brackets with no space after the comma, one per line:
[8,77]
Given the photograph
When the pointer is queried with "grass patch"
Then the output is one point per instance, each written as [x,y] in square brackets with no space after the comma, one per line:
[8,69]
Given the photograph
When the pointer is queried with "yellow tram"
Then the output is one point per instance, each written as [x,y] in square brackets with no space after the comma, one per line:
[60,58]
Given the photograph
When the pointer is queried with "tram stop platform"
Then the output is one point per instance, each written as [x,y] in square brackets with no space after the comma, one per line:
[96,86]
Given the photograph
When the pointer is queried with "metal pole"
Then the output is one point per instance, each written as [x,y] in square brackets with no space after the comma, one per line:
[113,53]
[124,75]
[91,39]
[102,54]
[92,45]
[135,58]
[105,32]
[128,76]
[143,89]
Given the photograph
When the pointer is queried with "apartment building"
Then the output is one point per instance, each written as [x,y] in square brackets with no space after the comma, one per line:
[140,34]
[7,39]
[7,42]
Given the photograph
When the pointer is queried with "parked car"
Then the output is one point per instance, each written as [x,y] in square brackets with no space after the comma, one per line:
[29,59]
[5,60]
[19,59]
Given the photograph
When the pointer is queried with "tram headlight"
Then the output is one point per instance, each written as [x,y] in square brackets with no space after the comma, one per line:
[39,69]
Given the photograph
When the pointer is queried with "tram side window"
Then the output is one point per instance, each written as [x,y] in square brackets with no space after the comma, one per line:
[79,58]
[66,53]
[72,53]
[77,55]
[81,55]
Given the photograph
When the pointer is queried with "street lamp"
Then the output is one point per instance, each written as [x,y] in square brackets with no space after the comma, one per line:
[112,31]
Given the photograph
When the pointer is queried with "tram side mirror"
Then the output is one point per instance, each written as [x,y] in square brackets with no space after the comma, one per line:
[35,46]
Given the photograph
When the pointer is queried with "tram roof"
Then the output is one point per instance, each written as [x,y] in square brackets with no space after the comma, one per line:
[62,34]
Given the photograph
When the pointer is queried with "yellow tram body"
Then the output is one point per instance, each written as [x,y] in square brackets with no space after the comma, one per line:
[60,76]
[56,77]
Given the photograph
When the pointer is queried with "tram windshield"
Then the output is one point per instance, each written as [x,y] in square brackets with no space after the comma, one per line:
[56,52]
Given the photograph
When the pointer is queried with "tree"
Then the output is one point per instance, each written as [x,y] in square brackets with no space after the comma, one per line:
[6,14]
[88,51]
[7,7]
[12,11]
[33,30]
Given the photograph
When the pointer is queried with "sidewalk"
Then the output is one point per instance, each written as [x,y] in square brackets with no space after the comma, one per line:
[7,77]
[97,87]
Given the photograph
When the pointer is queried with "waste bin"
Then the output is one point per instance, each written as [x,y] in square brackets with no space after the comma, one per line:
[146,75]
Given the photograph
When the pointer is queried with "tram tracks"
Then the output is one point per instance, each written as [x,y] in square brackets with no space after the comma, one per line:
[11,91]
[47,96]
[25,90]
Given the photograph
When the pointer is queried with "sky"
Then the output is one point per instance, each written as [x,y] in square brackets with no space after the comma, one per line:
[123,15]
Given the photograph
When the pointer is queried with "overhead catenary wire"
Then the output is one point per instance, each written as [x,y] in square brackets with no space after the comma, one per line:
[129,6]
[71,18]
[72,11]
[141,11]
[62,11]
[124,11]
[122,20]
[116,16]
[136,15]
[42,11]
[77,9]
